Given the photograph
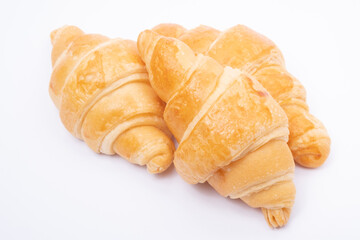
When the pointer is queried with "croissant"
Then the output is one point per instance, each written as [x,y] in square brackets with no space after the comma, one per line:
[231,132]
[102,90]
[243,48]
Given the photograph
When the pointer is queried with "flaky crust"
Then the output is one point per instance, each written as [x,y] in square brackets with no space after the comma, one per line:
[101,88]
[231,132]
[243,48]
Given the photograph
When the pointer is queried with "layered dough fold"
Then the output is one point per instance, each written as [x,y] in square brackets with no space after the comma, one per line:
[101,88]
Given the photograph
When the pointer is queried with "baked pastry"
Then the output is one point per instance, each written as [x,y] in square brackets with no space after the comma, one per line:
[231,132]
[101,88]
[243,48]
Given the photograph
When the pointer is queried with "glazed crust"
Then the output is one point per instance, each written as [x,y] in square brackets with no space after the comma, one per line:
[242,48]
[101,88]
[231,132]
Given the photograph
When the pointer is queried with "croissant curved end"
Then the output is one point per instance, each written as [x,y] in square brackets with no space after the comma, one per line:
[319,151]
[142,42]
[146,145]
[146,42]
[159,163]
[169,29]
[53,35]
[276,217]
[58,31]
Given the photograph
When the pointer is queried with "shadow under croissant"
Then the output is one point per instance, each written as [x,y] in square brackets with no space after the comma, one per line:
[169,172]
[236,205]
[205,189]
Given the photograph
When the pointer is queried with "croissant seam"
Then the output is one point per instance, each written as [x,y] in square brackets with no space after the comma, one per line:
[224,83]
[105,44]
[253,146]
[115,85]
[125,125]
[263,185]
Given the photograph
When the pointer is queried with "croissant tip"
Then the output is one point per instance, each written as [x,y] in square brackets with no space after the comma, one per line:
[159,163]
[55,32]
[276,218]
[141,42]
[169,30]
[167,25]
[142,34]
[53,35]
[154,169]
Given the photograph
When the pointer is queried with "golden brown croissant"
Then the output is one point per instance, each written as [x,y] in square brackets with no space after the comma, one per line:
[243,48]
[101,88]
[231,132]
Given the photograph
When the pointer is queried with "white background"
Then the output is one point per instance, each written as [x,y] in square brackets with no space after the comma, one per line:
[52,186]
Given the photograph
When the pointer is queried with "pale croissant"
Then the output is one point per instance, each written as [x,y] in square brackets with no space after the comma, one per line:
[231,132]
[101,88]
[243,48]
